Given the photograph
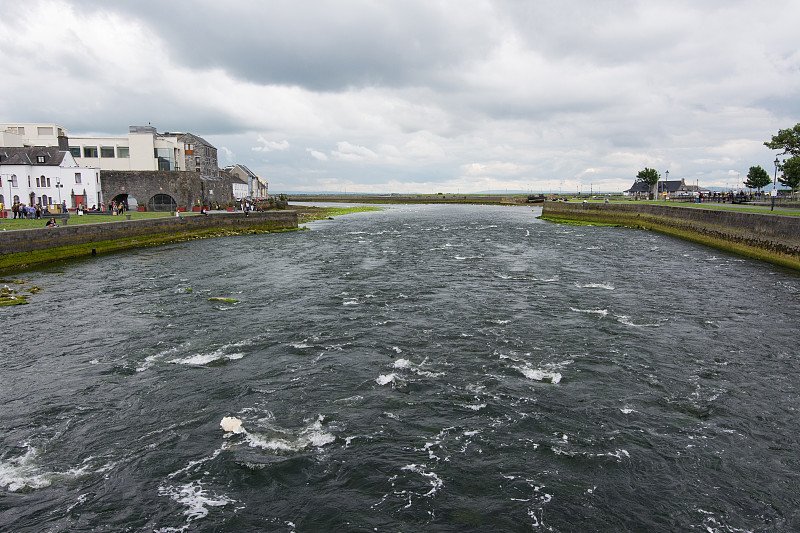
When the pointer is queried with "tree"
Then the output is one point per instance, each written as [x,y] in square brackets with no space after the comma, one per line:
[757,178]
[791,173]
[787,140]
[649,176]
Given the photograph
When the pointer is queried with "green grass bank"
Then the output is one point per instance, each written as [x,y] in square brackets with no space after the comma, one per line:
[768,237]
[24,248]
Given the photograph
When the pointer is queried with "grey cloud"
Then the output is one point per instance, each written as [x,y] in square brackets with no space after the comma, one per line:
[320,45]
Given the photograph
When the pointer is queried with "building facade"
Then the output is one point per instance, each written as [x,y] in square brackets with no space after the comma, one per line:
[46,176]
[256,187]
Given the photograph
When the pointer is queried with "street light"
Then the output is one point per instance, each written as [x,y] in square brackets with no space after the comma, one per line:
[666,177]
[59,186]
[775,184]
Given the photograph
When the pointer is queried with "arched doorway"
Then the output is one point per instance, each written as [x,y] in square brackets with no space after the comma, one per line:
[162,202]
[121,199]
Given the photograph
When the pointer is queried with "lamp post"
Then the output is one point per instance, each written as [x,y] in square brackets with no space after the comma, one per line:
[666,177]
[59,186]
[775,184]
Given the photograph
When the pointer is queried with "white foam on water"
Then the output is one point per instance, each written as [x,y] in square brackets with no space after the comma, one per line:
[22,472]
[627,410]
[434,480]
[397,349]
[313,435]
[402,363]
[299,345]
[539,375]
[606,286]
[626,320]
[206,358]
[350,301]
[385,379]
[599,312]
[195,498]
[151,360]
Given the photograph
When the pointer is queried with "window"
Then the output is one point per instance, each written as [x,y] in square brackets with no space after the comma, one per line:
[40,159]
[123,151]
[90,151]
[14,181]
[166,161]
[196,160]
[29,182]
[106,151]
[44,131]
[77,177]
[40,183]
[75,151]
[48,182]
[19,130]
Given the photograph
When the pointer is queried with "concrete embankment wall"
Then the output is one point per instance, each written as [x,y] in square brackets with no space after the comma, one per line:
[22,247]
[773,238]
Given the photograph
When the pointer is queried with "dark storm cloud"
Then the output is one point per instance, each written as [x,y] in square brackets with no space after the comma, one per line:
[320,45]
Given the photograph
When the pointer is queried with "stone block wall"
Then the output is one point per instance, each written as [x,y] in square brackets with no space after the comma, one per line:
[186,188]
[20,241]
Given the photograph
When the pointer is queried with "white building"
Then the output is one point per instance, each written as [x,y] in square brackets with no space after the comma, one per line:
[240,188]
[256,187]
[47,176]
[143,148]
[29,134]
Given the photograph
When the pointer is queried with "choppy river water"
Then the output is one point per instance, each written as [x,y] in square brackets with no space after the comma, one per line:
[423,368]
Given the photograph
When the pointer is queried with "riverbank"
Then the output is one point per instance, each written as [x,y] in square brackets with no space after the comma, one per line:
[768,237]
[28,247]
[476,199]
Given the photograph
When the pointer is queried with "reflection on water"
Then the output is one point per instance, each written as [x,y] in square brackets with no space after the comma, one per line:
[422,368]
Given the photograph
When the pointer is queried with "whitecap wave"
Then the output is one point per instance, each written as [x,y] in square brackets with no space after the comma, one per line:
[538,374]
[600,312]
[276,440]
[195,498]
[606,286]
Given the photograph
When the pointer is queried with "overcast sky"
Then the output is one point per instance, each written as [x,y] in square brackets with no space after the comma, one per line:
[421,95]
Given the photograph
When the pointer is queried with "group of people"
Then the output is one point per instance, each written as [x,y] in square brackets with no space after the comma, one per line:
[31,212]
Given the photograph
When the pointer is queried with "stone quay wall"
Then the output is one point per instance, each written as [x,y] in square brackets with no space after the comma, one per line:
[32,240]
[774,238]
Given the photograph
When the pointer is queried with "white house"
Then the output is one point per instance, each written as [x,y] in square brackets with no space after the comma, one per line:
[46,175]
[240,188]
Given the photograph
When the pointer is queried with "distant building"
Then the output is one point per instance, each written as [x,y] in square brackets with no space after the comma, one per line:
[240,188]
[47,176]
[256,187]
[672,188]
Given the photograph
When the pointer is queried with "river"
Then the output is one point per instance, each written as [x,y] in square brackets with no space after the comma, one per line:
[421,368]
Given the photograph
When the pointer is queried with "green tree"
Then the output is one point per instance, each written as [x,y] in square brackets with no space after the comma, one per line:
[787,140]
[791,173]
[757,178]
[649,176]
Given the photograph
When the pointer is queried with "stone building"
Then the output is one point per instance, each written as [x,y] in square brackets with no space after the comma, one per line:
[163,190]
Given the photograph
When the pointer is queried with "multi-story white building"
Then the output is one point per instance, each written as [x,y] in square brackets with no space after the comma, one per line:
[143,148]
[46,176]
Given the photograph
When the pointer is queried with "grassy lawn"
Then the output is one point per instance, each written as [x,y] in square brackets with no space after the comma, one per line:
[307,213]
[11,224]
